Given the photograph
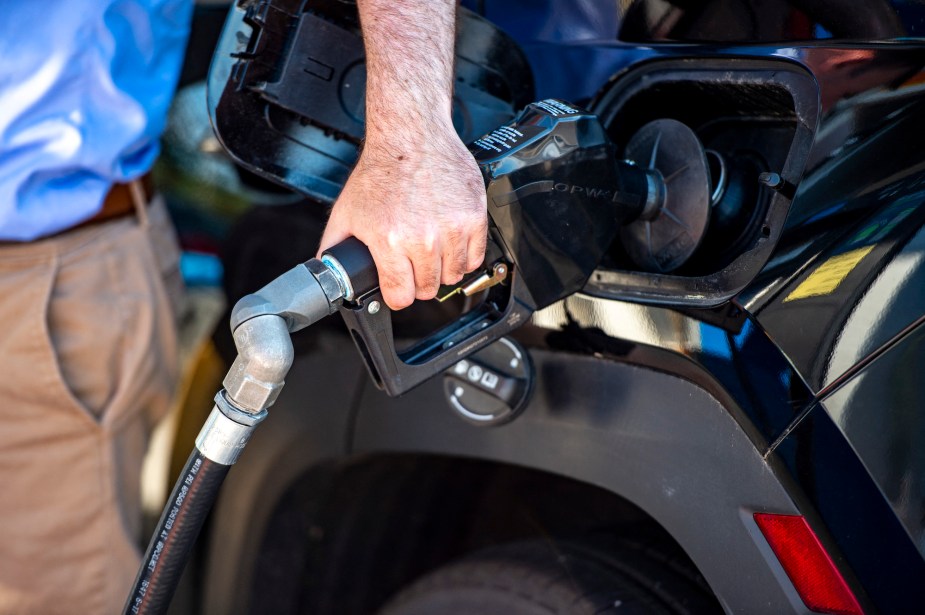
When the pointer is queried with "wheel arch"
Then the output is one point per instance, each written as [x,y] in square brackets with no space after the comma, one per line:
[608,424]
[702,474]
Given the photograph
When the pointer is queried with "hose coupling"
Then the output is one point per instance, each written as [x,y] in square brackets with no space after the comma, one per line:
[227,430]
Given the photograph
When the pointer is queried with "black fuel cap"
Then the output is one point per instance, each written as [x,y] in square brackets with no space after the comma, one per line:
[492,386]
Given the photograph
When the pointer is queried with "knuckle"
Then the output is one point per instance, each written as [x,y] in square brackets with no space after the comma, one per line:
[397,298]
[475,259]
[425,294]
[455,234]
[427,286]
[481,225]
[424,246]
[456,264]
[397,291]
[479,240]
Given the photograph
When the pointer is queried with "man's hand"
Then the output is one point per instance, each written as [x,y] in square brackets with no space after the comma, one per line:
[416,196]
[420,208]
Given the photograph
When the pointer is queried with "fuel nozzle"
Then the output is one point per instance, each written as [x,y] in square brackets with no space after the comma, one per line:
[558,196]
[558,190]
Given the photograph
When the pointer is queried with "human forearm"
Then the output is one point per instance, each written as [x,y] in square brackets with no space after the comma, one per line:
[409,55]
[416,196]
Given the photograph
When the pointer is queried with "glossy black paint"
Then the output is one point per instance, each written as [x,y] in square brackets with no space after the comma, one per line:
[853,511]
[844,297]
[861,195]
[722,350]
[860,200]
[882,413]
[848,275]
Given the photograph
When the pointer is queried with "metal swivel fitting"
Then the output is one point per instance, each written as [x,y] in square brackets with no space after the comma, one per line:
[261,324]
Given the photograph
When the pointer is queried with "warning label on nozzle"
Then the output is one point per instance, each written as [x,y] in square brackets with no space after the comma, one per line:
[500,139]
[555,107]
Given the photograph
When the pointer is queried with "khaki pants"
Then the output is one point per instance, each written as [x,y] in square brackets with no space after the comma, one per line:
[87,365]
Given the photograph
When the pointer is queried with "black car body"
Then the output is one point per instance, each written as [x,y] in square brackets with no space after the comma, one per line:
[779,371]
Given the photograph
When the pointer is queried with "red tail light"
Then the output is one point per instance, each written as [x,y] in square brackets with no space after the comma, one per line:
[817,580]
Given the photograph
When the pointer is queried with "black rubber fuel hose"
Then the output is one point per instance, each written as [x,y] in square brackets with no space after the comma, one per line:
[177,530]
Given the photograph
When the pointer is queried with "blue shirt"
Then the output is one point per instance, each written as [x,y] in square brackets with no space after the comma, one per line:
[85,86]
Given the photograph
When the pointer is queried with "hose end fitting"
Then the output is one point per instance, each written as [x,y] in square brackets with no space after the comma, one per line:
[227,431]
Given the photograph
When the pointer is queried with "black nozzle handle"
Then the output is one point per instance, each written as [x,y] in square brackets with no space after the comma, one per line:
[370,322]
[352,262]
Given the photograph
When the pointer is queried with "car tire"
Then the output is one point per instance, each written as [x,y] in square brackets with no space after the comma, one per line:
[545,578]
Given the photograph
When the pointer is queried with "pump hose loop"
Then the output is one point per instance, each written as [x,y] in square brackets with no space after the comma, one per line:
[176,532]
